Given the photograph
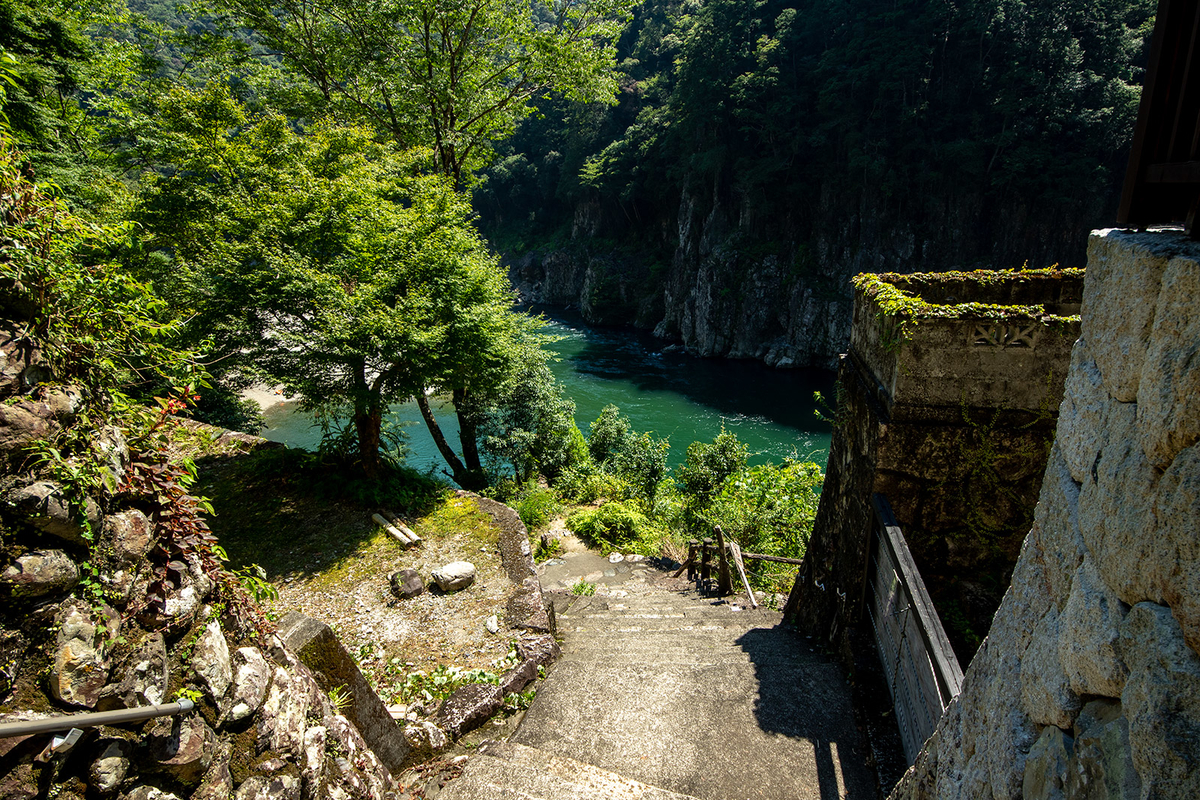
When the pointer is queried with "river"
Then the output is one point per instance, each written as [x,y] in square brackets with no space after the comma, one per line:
[676,396]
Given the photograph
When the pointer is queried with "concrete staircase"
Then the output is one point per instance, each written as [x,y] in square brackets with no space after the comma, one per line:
[666,694]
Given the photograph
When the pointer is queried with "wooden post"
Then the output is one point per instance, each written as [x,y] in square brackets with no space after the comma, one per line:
[691,559]
[724,584]
[736,552]
[705,570]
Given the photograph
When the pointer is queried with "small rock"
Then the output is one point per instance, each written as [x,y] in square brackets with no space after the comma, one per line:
[108,771]
[468,708]
[425,739]
[398,711]
[218,781]
[182,747]
[144,676]
[276,787]
[541,649]
[493,624]
[149,793]
[212,663]
[12,655]
[47,509]
[455,576]
[78,670]
[40,573]
[615,558]
[634,557]
[406,584]
[131,534]
[610,573]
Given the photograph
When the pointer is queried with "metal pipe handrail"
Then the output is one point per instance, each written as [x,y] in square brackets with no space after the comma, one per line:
[91,719]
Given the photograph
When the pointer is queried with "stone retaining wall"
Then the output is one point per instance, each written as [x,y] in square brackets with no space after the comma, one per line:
[1089,683]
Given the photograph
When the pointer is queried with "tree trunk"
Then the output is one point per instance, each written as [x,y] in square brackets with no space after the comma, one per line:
[460,473]
[367,423]
[467,432]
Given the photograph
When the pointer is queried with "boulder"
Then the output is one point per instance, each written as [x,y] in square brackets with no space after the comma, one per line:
[1115,515]
[149,793]
[131,535]
[469,707]
[1101,764]
[24,422]
[47,508]
[1168,396]
[454,576]
[1088,633]
[182,747]
[312,771]
[142,677]
[274,787]
[250,677]
[107,772]
[1176,508]
[1120,297]
[1083,414]
[527,609]
[217,783]
[406,584]
[78,668]
[1161,701]
[1046,766]
[40,573]
[425,740]
[283,717]
[543,650]
[211,662]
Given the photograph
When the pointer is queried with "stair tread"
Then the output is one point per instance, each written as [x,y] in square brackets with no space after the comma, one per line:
[511,771]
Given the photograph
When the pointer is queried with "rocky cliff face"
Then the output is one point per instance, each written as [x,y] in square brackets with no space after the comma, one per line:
[1089,683]
[743,281]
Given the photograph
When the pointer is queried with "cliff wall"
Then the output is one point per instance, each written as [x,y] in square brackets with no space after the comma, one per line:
[729,275]
[1088,684]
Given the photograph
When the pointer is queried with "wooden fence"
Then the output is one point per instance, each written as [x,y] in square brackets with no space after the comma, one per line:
[921,669]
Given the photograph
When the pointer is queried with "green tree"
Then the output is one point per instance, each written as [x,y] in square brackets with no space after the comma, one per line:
[329,262]
[453,74]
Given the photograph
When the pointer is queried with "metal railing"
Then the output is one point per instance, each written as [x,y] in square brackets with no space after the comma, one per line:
[922,672]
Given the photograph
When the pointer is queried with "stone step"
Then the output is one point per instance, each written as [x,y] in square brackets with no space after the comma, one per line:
[511,771]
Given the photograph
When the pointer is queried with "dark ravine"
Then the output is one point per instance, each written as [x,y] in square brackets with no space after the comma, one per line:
[741,285]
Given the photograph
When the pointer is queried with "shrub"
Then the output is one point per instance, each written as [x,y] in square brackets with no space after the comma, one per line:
[614,522]
[537,506]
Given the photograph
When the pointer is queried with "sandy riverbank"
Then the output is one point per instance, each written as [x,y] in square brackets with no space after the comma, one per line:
[267,396]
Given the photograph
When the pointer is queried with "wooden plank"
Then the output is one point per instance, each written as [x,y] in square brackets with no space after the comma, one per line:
[773,559]
[1179,172]
[736,552]
[705,568]
[948,671]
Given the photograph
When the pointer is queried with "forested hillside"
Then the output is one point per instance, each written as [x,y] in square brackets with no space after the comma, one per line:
[762,153]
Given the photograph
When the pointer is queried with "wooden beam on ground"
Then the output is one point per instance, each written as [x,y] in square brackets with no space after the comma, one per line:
[399,523]
[392,530]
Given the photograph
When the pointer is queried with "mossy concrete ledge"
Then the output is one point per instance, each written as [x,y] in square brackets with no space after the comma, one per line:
[947,401]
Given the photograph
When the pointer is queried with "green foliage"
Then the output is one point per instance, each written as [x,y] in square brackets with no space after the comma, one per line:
[341,698]
[537,506]
[613,523]
[328,262]
[583,588]
[636,459]
[709,466]
[452,75]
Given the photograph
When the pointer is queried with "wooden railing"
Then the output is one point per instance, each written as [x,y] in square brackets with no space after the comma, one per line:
[706,556]
[922,672]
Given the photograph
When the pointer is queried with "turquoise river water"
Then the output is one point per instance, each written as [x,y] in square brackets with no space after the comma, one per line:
[676,396]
